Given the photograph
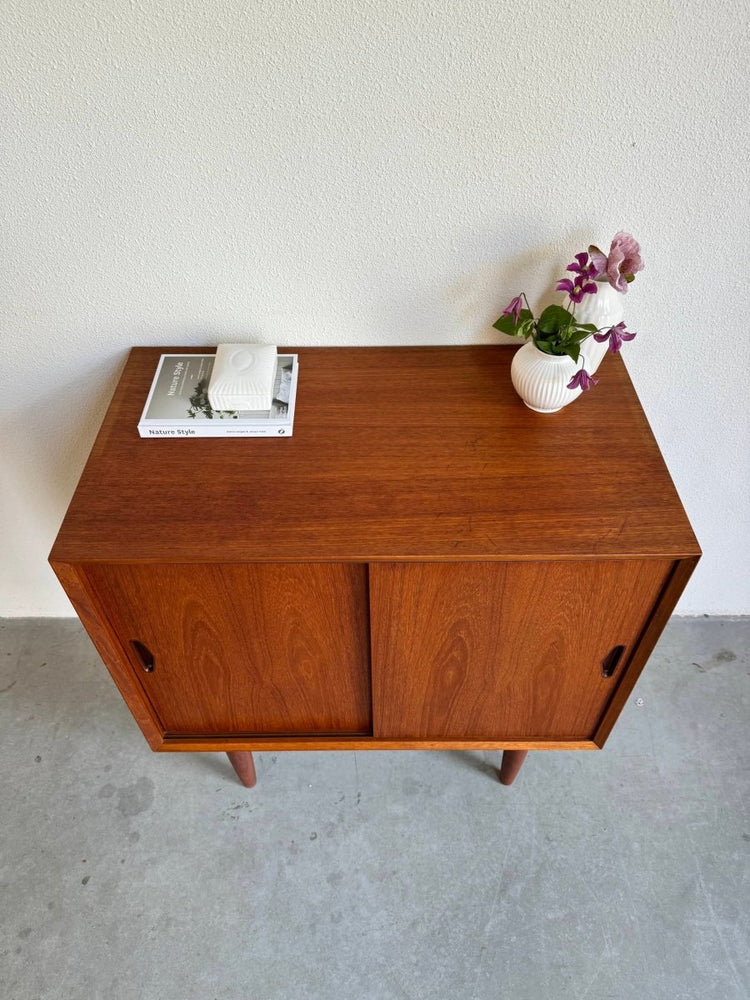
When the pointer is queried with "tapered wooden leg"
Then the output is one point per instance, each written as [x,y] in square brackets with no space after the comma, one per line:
[511,765]
[243,763]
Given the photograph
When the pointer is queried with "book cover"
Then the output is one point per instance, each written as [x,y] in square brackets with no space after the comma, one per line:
[178,406]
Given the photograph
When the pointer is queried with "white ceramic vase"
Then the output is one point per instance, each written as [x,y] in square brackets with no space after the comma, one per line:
[541,380]
[604,309]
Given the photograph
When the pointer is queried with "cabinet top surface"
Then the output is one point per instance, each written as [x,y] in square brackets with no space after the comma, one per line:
[406,453]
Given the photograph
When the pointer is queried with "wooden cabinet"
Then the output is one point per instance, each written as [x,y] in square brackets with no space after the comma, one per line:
[528,650]
[244,649]
[425,563]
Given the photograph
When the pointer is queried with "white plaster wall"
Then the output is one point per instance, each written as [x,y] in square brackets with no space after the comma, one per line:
[369,173]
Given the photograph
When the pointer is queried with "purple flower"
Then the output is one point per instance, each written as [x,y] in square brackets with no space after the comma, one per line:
[578,288]
[582,266]
[514,309]
[622,263]
[582,380]
[615,335]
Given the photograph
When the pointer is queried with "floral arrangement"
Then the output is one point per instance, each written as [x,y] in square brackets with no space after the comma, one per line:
[557,331]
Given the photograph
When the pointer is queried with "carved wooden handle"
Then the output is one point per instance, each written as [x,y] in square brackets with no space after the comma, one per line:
[144,654]
[610,661]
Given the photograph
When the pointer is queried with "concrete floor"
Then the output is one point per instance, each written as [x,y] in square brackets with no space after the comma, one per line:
[402,876]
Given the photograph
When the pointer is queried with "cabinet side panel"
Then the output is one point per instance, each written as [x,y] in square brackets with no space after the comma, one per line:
[95,622]
[246,649]
[504,650]
[674,586]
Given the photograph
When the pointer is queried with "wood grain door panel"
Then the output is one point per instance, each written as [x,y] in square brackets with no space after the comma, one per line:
[245,649]
[503,650]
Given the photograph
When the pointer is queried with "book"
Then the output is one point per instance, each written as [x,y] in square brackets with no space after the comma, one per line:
[178,406]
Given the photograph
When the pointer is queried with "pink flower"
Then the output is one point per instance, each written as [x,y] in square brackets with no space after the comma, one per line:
[584,270]
[581,265]
[582,380]
[615,335]
[623,262]
[514,309]
[576,289]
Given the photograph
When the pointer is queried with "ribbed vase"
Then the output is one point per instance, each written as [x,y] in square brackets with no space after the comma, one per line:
[604,309]
[541,380]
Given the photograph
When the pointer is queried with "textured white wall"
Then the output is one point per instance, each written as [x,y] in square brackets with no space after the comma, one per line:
[371,173]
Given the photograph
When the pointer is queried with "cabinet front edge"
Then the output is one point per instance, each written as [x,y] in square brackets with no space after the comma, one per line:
[101,633]
[207,744]
[663,608]
[453,557]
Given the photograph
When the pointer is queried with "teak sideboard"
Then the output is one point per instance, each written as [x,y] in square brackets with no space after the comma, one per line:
[426,563]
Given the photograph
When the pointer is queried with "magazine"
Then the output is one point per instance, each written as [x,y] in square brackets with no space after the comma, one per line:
[177,404]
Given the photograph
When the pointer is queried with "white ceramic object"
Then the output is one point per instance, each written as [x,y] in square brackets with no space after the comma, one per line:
[541,380]
[242,377]
[604,309]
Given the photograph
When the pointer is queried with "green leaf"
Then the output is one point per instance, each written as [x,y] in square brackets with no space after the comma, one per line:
[588,327]
[506,324]
[554,319]
[545,346]
[572,351]
[577,336]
